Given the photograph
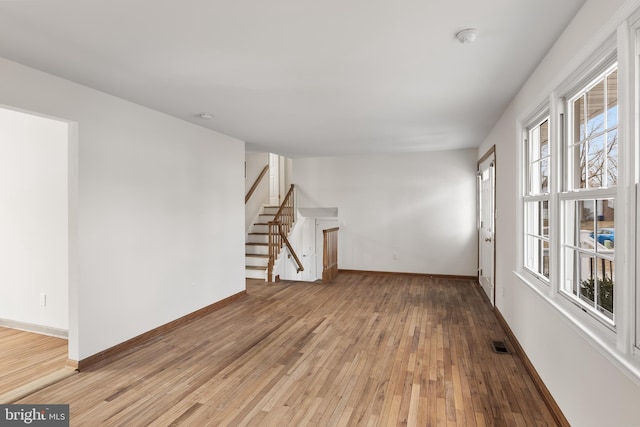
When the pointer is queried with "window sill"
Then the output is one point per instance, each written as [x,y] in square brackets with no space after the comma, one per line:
[598,336]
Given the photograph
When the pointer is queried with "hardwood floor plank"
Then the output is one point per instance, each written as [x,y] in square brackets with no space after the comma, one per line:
[25,357]
[366,350]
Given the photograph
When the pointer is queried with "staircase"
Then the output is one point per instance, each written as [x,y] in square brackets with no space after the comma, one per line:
[257,245]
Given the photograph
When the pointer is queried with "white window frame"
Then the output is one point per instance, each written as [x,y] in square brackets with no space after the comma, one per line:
[538,197]
[633,174]
[619,344]
[570,195]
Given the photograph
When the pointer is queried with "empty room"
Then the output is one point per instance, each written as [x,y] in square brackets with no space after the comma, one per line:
[320,213]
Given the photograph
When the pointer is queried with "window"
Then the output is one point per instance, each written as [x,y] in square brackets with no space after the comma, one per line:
[579,239]
[536,199]
[590,165]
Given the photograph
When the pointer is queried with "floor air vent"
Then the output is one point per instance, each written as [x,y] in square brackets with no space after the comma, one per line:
[499,347]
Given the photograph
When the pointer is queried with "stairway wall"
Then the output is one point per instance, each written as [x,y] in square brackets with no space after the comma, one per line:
[254,163]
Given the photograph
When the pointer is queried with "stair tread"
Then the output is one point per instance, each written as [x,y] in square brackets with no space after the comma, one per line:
[258,234]
[254,267]
[257,255]
[256,244]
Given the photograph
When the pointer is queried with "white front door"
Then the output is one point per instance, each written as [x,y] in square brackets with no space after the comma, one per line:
[486,225]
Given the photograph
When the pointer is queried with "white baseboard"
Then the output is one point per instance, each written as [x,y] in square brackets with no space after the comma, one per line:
[38,329]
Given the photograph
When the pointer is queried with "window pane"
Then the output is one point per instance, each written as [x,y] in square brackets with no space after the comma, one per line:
[537,258]
[544,139]
[545,219]
[612,158]
[534,144]
[612,99]
[544,176]
[585,219]
[578,173]
[583,172]
[533,218]
[586,275]
[595,109]
[531,250]
[545,259]
[596,163]
[597,283]
[605,226]
[605,285]
[578,120]
[538,159]
[571,260]
[537,218]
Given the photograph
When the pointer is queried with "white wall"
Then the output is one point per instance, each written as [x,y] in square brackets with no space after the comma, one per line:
[590,390]
[412,213]
[156,209]
[255,163]
[33,221]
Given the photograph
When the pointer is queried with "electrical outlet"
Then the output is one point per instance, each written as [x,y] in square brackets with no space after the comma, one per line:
[43,299]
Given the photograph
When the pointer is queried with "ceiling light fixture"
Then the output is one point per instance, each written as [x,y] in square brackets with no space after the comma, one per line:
[467,35]
[205,116]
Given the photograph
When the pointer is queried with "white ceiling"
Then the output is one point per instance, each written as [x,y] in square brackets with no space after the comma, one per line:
[298,77]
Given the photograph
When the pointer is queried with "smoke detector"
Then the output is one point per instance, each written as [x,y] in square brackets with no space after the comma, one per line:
[467,35]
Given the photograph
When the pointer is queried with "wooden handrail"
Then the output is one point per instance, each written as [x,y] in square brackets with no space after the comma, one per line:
[291,251]
[255,184]
[279,230]
[286,209]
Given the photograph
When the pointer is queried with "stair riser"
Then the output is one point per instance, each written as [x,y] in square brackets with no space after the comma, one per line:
[259,228]
[262,250]
[256,274]
[266,217]
[258,238]
[262,262]
[271,210]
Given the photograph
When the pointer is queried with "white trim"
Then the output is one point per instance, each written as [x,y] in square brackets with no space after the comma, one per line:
[37,329]
[625,225]
[558,132]
[637,276]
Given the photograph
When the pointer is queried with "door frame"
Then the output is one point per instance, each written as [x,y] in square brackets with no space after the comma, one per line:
[487,155]
[72,173]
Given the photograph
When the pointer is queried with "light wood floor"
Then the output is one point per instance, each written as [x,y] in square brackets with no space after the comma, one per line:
[25,357]
[364,350]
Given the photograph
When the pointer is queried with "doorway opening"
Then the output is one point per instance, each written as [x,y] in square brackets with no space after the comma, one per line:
[35,272]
